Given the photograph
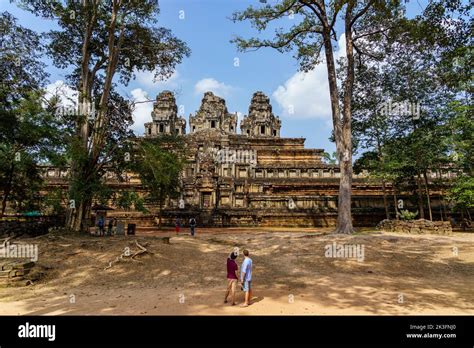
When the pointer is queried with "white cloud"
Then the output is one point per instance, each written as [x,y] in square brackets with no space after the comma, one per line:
[142,112]
[306,95]
[67,95]
[212,85]
[146,79]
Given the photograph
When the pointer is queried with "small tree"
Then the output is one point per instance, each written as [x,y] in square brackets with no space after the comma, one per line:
[159,163]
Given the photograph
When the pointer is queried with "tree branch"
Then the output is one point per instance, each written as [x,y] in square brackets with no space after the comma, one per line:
[361,12]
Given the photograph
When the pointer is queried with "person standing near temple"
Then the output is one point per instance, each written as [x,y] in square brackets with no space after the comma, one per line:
[232,278]
[101,225]
[177,225]
[192,225]
[246,278]
[110,226]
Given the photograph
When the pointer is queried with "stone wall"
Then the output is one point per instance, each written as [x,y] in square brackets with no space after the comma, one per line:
[31,226]
[416,226]
[14,271]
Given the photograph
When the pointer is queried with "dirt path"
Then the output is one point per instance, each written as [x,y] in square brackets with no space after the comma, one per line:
[399,274]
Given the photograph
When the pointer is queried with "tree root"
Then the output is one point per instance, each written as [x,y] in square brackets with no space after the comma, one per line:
[123,256]
[141,251]
[347,231]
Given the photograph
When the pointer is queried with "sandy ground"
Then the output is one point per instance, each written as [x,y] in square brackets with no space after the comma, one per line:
[400,274]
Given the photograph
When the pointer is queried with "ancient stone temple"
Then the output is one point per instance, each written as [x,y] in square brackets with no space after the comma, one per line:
[255,177]
[213,114]
[165,119]
[260,120]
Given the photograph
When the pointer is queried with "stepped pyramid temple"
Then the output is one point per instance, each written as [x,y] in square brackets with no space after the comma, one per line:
[253,177]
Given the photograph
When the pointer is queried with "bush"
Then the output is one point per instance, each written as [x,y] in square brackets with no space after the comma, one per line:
[407,215]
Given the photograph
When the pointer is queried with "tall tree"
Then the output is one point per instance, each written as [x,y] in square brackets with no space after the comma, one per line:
[314,32]
[99,40]
[371,127]
[410,89]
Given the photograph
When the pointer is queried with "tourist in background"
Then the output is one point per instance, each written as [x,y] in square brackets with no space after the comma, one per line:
[246,277]
[232,278]
[101,225]
[192,225]
[177,225]
[110,226]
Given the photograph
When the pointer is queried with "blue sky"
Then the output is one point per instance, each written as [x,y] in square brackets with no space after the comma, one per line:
[301,100]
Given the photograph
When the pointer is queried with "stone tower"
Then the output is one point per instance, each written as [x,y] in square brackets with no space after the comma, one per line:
[165,119]
[260,121]
[213,114]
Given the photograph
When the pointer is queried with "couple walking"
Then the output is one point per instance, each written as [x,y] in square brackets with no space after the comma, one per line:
[245,277]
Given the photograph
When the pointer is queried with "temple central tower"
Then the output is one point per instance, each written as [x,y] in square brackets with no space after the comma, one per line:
[213,114]
[260,120]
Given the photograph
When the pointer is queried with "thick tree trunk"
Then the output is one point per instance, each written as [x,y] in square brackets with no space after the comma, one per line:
[77,223]
[344,140]
[420,196]
[395,204]
[160,213]
[4,203]
[443,205]
[384,191]
[427,190]
[341,125]
[75,216]
[385,203]
[344,216]
[7,190]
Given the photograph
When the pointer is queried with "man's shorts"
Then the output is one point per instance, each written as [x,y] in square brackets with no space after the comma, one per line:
[247,286]
[231,284]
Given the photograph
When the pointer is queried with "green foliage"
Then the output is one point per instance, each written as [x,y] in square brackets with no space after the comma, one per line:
[160,51]
[330,158]
[462,193]
[407,215]
[98,41]
[304,37]
[29,131]
[21,69]
[416,65]
[461,140]
[29,136]
[54,202]
[159,162]
[128,199]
